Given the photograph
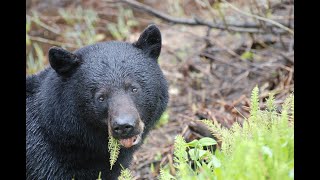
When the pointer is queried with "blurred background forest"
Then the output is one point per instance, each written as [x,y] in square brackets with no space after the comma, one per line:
[213,54]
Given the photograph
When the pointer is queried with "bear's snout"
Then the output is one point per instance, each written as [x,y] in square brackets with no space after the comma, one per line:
[128,128]
[124,125]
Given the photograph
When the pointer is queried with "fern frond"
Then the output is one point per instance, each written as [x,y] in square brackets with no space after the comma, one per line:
[114,150]
[181,156]
[165,175]
[254,102]
[180,146]
[288,108]
[292,105]
[212,128]
[287,104]
[270,103]
[99,176]
[125,175]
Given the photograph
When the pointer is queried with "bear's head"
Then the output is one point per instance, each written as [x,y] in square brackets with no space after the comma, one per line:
[114,88]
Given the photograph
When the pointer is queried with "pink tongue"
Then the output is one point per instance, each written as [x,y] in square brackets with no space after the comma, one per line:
[127,142]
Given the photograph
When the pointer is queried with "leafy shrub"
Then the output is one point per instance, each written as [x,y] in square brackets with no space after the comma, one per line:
[261,148]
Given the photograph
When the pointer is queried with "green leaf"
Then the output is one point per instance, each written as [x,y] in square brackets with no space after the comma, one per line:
[198,163]
[196,154]
[206,141]
[193,143]
[216,162]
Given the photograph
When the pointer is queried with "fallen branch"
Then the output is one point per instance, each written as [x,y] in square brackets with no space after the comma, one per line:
[195,21]
[260,18]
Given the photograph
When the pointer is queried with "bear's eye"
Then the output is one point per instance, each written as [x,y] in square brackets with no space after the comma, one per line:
[101,99]
[134,90]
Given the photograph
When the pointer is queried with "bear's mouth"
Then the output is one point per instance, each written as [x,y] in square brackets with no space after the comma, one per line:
[129,142]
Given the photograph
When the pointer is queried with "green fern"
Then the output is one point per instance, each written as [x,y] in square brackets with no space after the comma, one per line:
[180,156]
[165,174]
[288,107]
[254,102]
[114,150]
[125,175]
[99,176]
[270,103]
[261,148]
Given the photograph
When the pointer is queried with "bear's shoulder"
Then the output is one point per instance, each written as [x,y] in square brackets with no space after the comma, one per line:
[33,82]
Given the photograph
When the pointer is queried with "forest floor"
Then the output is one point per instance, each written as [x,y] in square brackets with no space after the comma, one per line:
[210,75]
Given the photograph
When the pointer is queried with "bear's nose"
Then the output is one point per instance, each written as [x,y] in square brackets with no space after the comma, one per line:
[123,126]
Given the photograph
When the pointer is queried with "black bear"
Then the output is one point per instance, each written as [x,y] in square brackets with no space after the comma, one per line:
[72,107]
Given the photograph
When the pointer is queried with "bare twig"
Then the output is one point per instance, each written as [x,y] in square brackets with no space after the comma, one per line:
[260,18]
[220,60]
[245,28]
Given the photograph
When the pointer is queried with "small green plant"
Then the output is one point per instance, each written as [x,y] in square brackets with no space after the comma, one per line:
[190,158]
[114,150]
[181,156]
[254,102]
[125,175]
[81,29]
[125,21]
[247,55]
[261,148]
[164,119]
[165,174]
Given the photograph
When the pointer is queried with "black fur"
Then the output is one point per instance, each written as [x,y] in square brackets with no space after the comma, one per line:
[67,133]
[150,41]
[63,61]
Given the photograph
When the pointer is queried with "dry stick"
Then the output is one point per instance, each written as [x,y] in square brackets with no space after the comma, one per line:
[247,28]
[220,60]
[260,18]
[48,41]
[254,69]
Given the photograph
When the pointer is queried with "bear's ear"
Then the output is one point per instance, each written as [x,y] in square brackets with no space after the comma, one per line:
[150,41]
[63,61]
